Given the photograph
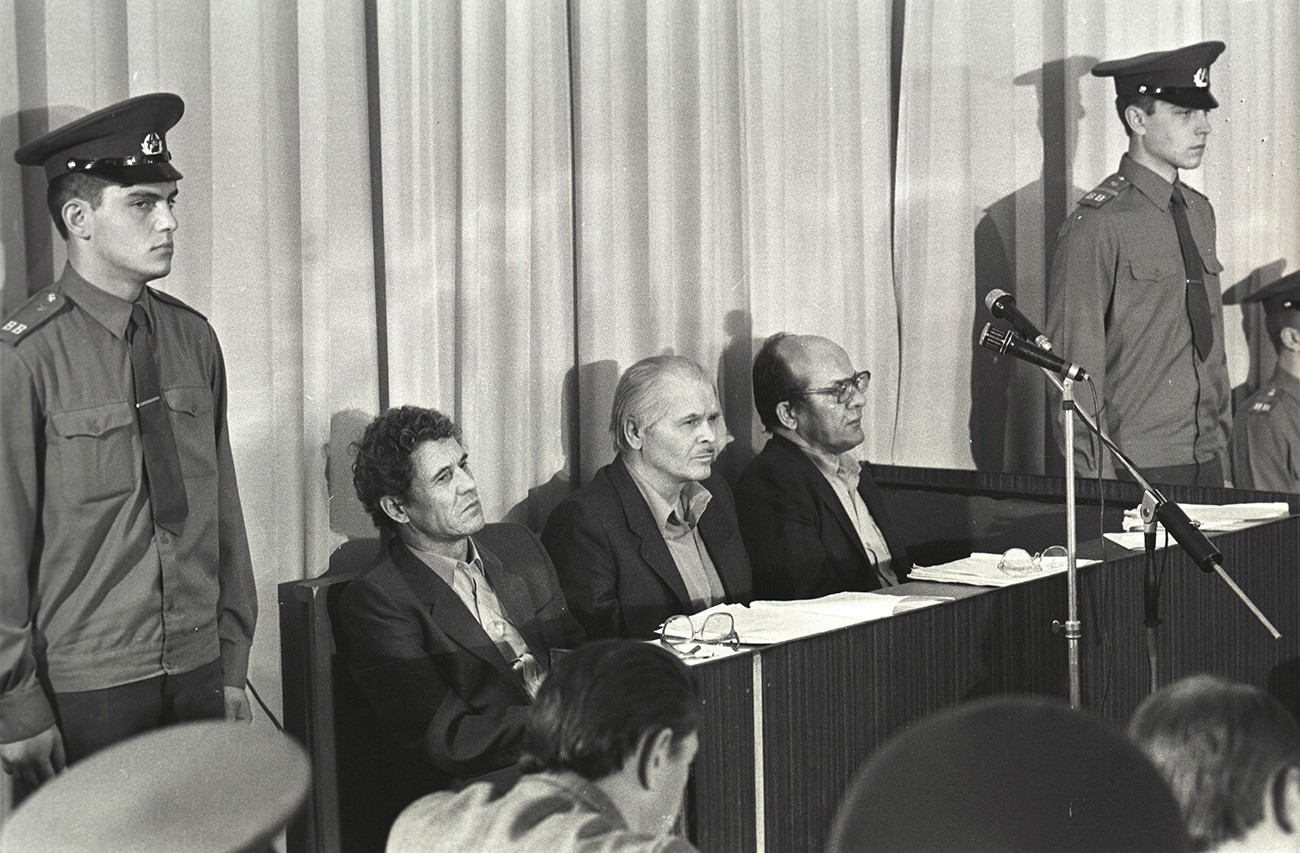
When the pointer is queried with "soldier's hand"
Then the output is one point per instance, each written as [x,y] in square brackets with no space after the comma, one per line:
[35,759]
[237,707]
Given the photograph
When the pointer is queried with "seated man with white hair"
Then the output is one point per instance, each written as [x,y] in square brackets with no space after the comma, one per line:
[654,534]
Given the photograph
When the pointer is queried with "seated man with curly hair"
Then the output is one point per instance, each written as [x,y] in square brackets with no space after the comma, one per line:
[448,633]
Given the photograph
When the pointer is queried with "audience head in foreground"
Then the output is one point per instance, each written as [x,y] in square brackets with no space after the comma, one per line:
[1231,753]
[607,753]
[1009,773]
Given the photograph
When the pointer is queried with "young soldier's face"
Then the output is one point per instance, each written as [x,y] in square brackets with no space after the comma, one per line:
[131,229]
[1176,135]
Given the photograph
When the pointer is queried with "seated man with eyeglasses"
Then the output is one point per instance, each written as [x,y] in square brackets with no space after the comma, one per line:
[607,753]
[654,533]
[813,521]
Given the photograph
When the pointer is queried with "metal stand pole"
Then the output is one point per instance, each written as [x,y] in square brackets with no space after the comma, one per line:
[1073,628]
[1151,589]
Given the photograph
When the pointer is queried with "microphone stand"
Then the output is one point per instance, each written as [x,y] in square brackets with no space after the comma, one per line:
[1189,537]
[1150,587]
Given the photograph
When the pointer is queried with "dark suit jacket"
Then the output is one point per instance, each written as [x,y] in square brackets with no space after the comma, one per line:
[441,690]
[617,573]
[800,540]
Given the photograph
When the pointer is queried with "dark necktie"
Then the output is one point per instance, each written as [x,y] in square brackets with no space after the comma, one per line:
[162,464]
[1198,303]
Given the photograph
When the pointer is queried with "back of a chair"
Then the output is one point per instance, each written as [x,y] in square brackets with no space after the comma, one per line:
[326,713]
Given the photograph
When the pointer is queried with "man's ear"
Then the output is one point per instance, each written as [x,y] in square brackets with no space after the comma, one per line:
[1290,336]
[632,433]
[1286,800]
[76,213]
[654,760]
[1136,118]
[394,509]
[785,415]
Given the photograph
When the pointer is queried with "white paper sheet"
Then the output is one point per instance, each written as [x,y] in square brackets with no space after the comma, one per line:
[982,570]
[764,622]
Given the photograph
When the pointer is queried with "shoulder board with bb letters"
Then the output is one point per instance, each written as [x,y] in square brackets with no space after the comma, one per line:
[172,300]
[1264,404]
[34,313]
[1105,191]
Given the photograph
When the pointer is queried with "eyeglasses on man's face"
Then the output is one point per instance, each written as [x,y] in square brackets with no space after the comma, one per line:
[843,389]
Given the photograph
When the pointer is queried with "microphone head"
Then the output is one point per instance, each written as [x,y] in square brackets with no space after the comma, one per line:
[993,338]
[994,297]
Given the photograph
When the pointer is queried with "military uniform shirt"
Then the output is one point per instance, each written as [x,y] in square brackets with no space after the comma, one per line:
[1266,437]
[1117,307]
[111,598]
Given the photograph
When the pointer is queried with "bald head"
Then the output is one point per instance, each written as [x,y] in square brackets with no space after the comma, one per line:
[793,375]
[805,354]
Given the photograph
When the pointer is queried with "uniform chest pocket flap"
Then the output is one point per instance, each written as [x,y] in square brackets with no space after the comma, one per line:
[1148,270]
[1212,265]
[94,451]
[191,414]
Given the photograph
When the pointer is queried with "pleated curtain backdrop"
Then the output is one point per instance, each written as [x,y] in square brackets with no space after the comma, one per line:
[495,207]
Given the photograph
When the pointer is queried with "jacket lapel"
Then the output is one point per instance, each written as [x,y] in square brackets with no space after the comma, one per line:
[823,490]
[717,538]
[651,543]
[874,498]
[446,609]
[512,592]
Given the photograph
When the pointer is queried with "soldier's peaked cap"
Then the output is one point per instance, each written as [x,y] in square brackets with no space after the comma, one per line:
[1179,76]
[125,142]
[1281,295]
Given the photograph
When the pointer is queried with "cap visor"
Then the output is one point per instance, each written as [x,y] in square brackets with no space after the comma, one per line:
[150,173]
[1196,99]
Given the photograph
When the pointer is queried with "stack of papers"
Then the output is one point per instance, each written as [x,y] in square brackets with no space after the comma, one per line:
[764,622]
[982,570]
[1210,518]
[1222,518]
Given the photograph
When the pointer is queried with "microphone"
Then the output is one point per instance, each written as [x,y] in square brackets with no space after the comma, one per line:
[1187,534]
[1002,341]
[1003,306]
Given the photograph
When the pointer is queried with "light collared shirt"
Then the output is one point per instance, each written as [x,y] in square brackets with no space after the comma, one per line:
[471,585]
[91,590]
[843,472]
[679,525]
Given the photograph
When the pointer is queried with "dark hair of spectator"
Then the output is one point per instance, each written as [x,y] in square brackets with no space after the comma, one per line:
[382,465]
[1222,746]
[601,701]
[1011,773]
[774,381]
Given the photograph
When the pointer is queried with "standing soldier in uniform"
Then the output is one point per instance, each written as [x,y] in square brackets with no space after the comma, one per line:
[127,596]
[1134,292]
[1266,433]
